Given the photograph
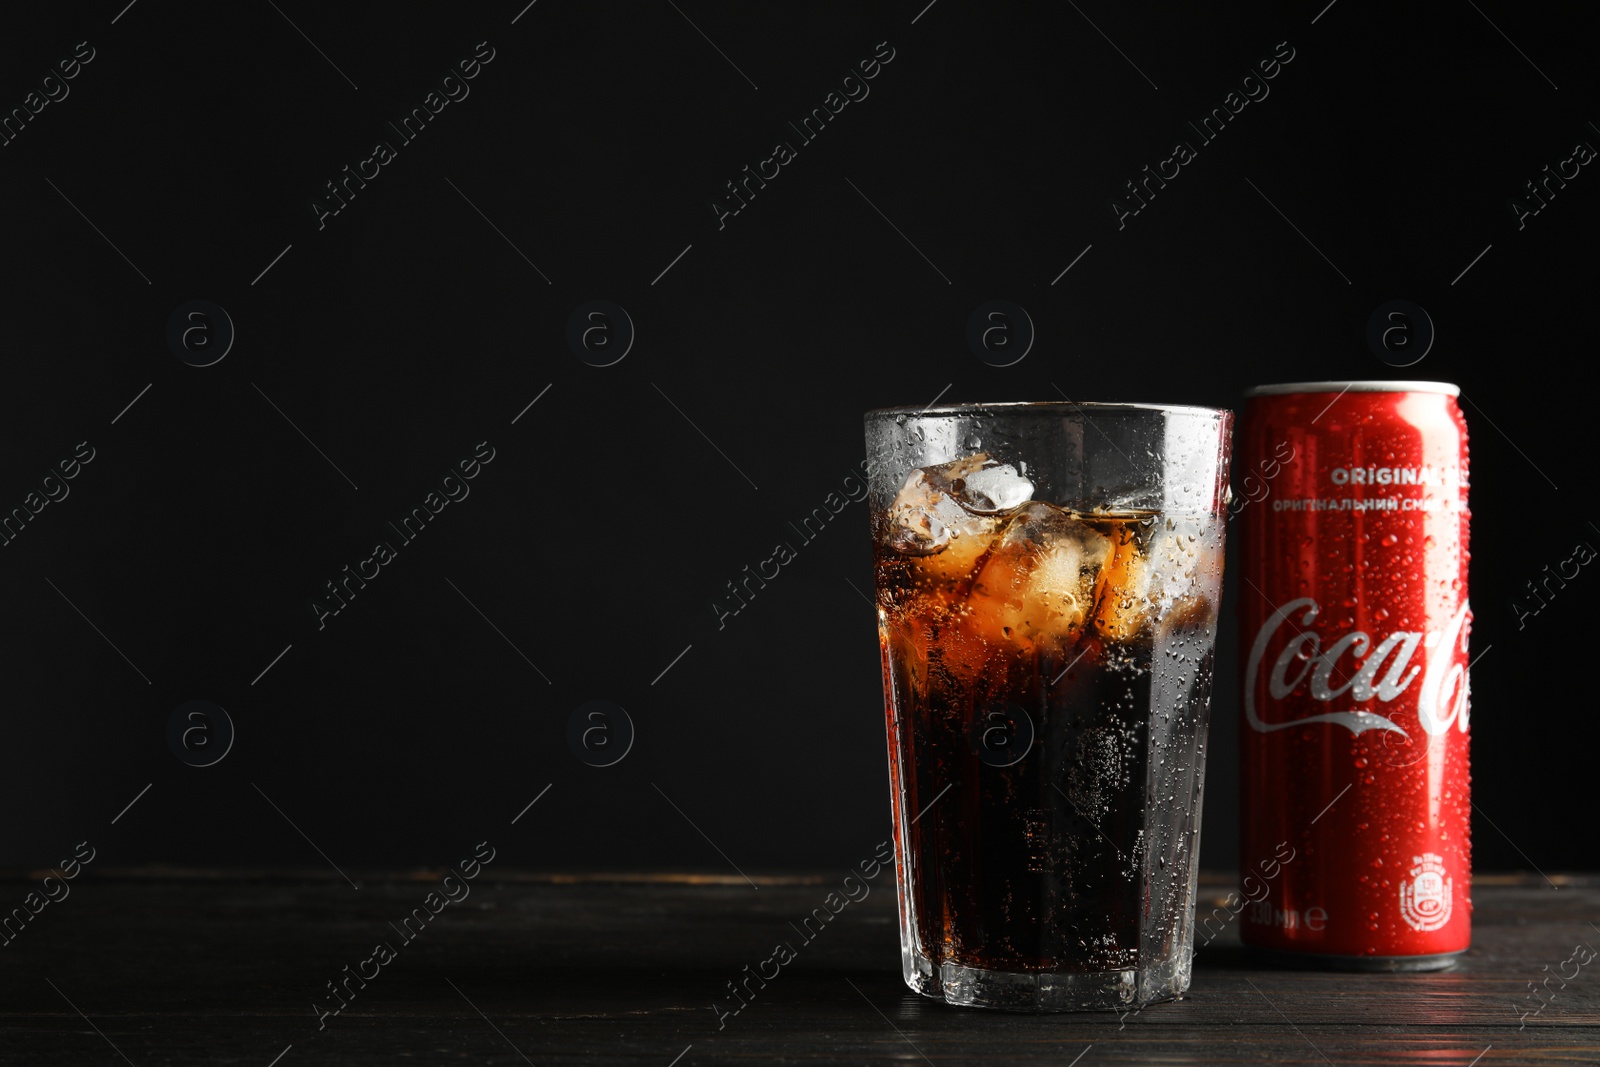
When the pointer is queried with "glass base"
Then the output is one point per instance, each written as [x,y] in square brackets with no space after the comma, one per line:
[1041,991]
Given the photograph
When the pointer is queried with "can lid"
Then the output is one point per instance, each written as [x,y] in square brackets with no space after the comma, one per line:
[1354,387]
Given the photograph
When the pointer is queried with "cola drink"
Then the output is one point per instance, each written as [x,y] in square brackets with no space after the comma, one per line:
[1354,623]
[1047,661]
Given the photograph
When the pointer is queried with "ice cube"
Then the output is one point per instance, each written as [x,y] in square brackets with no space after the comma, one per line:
[1124,604]
[924,519]
[1184,557]
[1189,615]
[1186,566]
[989,489]
[940,504]
[1159,577]
[1039,580]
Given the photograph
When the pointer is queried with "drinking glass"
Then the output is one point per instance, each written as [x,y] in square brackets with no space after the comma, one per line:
[1047,581]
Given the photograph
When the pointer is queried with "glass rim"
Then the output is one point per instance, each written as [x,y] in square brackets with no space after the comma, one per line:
[1042,407]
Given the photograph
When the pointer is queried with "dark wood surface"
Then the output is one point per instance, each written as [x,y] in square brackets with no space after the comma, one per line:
[151,967]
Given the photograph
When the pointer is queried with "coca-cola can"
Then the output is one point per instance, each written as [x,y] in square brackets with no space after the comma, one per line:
[1355,806]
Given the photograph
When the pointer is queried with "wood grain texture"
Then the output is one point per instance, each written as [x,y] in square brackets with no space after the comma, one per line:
[184,967]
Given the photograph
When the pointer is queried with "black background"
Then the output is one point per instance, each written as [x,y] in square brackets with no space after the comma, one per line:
[408,329]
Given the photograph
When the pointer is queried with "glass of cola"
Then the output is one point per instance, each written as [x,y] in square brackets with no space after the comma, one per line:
[1047,581]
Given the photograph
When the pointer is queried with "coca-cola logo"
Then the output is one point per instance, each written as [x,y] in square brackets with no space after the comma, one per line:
[1303,664]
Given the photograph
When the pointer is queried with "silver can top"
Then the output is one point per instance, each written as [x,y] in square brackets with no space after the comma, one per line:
[1354,387]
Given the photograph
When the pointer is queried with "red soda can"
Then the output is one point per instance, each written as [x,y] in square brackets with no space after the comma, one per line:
[1355,806]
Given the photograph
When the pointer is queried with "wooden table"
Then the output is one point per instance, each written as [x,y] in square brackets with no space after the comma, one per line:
[153,967]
